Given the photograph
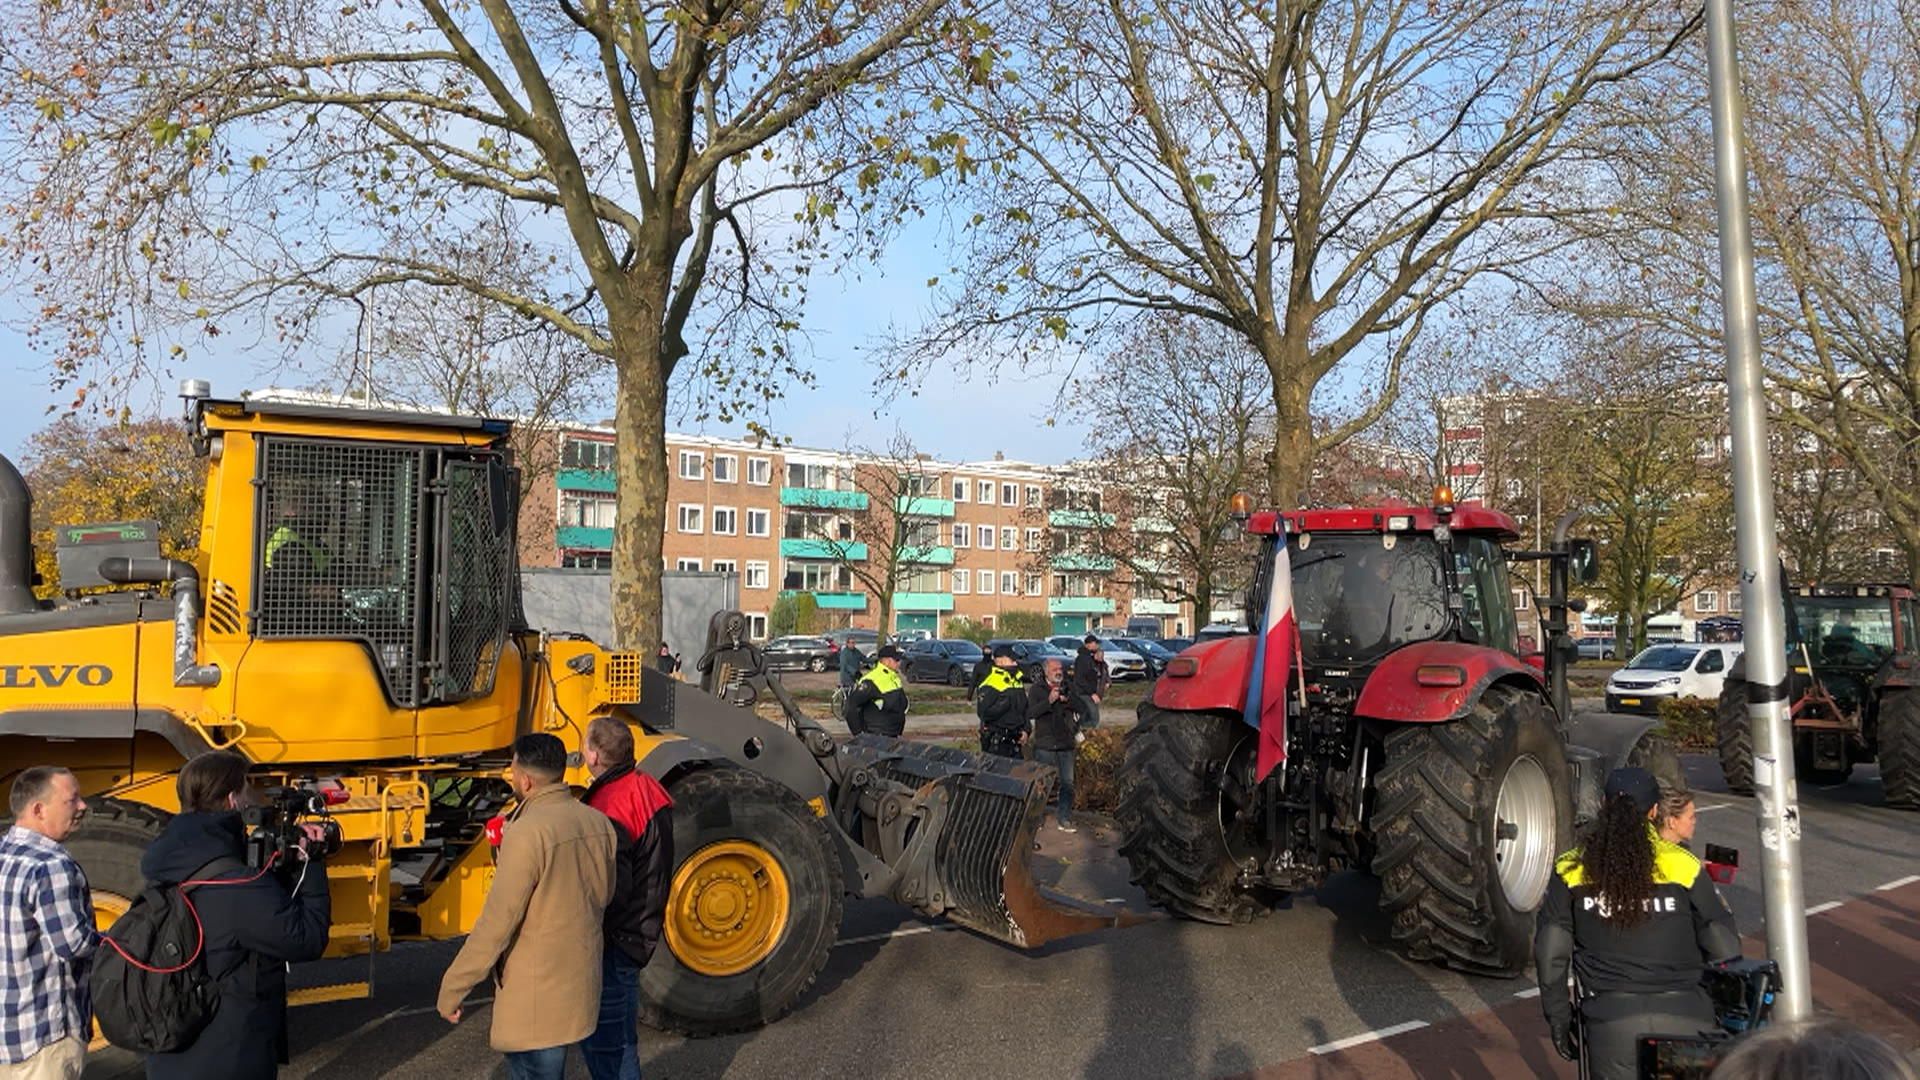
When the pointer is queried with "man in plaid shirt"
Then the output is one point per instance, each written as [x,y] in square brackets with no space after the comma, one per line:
[46,932]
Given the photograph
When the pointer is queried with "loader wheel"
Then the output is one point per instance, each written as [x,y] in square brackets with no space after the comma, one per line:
[1735,735]
[753,910]
[1179,800]
[1899,748]
[108,846]
[1469,817]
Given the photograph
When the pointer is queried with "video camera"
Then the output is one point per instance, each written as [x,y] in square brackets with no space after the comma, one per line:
[1742,992]
[274,828]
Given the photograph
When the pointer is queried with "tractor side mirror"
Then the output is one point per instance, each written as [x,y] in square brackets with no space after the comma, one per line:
[1583,561]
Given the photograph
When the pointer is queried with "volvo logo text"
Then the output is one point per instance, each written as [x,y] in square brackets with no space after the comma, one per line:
[27,676]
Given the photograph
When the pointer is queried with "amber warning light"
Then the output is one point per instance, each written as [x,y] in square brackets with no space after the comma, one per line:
[1443,496]
[1241,505]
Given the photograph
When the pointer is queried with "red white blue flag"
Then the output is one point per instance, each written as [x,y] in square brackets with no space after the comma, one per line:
[1274,651]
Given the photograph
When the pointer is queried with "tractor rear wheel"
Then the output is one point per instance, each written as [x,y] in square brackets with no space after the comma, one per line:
[753,909]
[1176,801]
[1899,748]
[108,845]
[1469,817]
[1735,735]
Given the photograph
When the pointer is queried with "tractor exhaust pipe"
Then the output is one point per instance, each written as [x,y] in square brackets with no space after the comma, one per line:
[187,670]
[16,542]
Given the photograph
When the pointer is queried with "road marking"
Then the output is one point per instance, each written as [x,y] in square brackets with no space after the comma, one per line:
[1818,908]
[1378,1033]
[1713,806]
[1908,880]
[894,934]
[1530,992]
[1115,900]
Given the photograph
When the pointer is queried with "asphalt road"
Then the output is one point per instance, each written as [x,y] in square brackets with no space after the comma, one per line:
[903,998]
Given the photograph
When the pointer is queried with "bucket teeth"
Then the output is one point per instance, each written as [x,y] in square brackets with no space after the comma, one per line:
[984,811]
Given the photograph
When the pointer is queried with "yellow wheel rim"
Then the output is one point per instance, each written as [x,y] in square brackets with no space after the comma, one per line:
[728,908]
[107,906]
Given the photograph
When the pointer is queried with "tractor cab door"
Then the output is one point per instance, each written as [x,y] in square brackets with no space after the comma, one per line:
[1486,614]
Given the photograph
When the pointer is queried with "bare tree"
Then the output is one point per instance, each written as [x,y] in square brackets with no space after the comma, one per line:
[233,166]
[1317,179]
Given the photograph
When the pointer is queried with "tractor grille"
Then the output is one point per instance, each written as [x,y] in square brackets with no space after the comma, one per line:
[620,678]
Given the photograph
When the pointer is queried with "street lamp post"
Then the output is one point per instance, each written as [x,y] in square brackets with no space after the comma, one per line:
[1765,631]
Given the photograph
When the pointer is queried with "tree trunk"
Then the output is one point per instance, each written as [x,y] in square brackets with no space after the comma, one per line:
[640,470]
[1202,600]
[1290,464]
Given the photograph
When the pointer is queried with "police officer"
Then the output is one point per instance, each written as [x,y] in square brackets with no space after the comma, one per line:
[1001,703]
[1635,918]
[878,704]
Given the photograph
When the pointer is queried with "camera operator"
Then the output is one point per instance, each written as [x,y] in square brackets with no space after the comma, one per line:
[256,921]
[1636,918]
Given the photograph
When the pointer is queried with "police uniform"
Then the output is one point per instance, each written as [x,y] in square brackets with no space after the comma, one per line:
[1001,703]
[1637,979]
[878,704]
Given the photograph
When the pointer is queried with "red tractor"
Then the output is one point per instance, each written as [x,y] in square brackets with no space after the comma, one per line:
[1420,743]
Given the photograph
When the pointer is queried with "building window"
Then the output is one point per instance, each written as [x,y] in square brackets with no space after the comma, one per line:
[692,517]
[1009,582]
[817,577]
[986,583]
[1033,494]
[985,490]
[756,576]
[725,566]
[809,525]
[759,471]
[587,560]
[815,477]
[1033,539]
[959,489]
[586,454]
[726,468]
[1010,494]
[759,523]
[986,538]
[688,564]
[587,511]
[1733,601]
[757,627]
[726,520]
[1706,601]
[1033,584]
[692,465]
[962,580]
[1009,538]
[962,536]
[986,621]
[923,581]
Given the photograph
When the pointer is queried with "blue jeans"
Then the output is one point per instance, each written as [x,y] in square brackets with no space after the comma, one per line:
[613,1050]
[548,1064]
[1062,762]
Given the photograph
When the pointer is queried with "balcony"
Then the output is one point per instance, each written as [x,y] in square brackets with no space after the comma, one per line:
[595,480]
[1152,524]
[927,556]
[583,537]
[1080,519]
[1079,605]
[923,601]
[818,499]
[832,601]
[923,506]
[1074,560]
[837,550]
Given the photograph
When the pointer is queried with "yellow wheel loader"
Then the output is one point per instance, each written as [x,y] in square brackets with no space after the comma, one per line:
[351,624]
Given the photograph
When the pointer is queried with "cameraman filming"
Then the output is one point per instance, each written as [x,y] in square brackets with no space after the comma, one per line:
[1636,918]
[256,920]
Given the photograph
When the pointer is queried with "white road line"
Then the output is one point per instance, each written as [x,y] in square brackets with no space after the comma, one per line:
[1908,880]
[1828,906]
[893,934]
[1713,806]
[1378,1033]
[1530,992]
[1115,900]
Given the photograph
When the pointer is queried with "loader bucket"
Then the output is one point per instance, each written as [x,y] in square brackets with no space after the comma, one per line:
[969,861]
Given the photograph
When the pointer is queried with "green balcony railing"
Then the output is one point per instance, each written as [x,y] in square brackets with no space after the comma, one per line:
[930,556]
[1079,519]
[1080,561]
[1079,605]
[816,499]
[824,549]
[597,480]
[923,506]
[833,601]
[583,536]
[923,601]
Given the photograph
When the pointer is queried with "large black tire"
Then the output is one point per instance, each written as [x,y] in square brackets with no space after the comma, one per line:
[715,806]
[1899,748]
[1170,819]
[108,846]
[1735,735]
[1436,829]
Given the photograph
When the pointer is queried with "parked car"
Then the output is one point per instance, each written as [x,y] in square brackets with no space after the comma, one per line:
[864,640]
[1595,647]
[801,654]
[944,660]
[1215,631]
[1123,664]
[908,637]
[1660,672]
[1031,655]
[1153,651]
[1144,626]
[1176,645]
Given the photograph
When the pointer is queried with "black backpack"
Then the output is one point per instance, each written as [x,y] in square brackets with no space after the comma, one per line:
[152,991]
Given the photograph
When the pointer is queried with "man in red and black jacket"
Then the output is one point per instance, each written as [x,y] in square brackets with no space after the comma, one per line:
[642,813]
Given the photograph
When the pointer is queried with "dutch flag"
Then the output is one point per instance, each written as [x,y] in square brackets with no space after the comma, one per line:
[1275,651]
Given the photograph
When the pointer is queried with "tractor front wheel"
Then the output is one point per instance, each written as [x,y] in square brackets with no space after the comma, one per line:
[1898,748]
[1469,818]
[1181,798]
[1735,735]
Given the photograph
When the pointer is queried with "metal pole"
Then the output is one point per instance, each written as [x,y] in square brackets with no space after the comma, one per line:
[1766,651]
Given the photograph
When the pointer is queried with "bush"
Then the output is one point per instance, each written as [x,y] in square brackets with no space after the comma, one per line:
[962,627]
[781,619]
[806,614]
[1689,723]
[1024,624]
[1096,771]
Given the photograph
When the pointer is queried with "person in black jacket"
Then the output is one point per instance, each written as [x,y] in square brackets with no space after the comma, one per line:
[1636,919]
[1090,679]
[1056,734]
[1001,703]
[255,923]
[878,703]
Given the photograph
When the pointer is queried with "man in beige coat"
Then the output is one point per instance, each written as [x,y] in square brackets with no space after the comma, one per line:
[538,935]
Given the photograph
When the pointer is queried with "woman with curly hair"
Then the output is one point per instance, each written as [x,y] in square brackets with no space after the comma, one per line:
[1634,918]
